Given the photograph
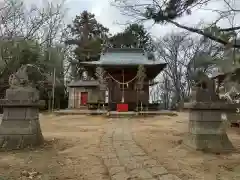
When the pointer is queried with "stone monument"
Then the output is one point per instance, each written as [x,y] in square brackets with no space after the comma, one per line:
[20,125]
[207,130]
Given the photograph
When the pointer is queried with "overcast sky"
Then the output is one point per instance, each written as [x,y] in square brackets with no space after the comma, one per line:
[110,16]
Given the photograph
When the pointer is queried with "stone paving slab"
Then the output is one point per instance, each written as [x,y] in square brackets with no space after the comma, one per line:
[97,170]
[111,162]
[140,173]
[109,155]
[150,163]
[125,160]
[131,163]
[121,176]
[116,169]
[168,177]
[157,170]
[123,153]
[141,158]
[137,151]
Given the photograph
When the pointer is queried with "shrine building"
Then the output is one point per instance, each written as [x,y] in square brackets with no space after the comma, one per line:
[121,67]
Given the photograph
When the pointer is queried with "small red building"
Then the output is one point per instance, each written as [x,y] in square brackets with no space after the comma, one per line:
[121,68]
[85,93]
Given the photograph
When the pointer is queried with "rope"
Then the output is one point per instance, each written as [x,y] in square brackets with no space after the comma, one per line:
[123,83]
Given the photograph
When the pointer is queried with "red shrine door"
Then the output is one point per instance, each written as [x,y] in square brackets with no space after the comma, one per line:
[84,98]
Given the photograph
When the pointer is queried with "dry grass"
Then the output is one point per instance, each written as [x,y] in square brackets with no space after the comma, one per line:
[162,138]
[72,151]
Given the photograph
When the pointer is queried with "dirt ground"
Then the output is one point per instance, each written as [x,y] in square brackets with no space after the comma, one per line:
[72,150]
[162,138]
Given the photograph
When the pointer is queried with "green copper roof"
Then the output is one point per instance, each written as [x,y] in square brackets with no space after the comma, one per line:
[124,56]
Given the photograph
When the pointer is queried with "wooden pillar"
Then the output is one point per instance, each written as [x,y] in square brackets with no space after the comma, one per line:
[123,98]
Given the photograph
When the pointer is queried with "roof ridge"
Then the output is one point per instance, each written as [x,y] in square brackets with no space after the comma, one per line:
[124,50]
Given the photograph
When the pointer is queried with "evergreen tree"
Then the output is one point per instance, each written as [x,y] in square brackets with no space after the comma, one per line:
[134,36]
[88,36]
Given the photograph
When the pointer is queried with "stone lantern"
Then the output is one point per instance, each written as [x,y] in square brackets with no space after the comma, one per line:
[207,130]
[20,127]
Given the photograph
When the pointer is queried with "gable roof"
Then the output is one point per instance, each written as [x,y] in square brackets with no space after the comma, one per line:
[123,57]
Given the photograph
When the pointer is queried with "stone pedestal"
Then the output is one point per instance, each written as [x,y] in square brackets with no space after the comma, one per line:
[207,130]
[20,126]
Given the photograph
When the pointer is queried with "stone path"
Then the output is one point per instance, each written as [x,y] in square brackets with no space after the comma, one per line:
[124,159]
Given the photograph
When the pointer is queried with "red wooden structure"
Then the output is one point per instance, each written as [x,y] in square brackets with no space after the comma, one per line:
[84,98]
[122,107]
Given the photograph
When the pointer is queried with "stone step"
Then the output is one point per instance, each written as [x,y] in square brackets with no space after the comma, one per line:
[115,114]
[83,107]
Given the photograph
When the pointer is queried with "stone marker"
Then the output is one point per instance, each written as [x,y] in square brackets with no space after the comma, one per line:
[20,126]
[207,130]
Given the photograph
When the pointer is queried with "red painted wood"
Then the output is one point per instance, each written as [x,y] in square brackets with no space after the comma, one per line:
[84,98]
[122,107]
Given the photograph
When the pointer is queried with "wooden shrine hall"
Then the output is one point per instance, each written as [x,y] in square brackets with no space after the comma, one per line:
[121,67]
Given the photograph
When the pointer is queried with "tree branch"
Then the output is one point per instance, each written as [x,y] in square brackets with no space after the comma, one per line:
[230,29]
[201,32]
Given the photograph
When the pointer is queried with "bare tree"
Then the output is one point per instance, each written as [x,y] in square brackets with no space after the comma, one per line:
[203,57]
[167,90]
[161,93]
[30,23]
[18,23]
[167,11]
[173,49]
[185,56]
[39,28]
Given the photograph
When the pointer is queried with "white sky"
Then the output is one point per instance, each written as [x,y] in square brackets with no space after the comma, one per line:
[110,16]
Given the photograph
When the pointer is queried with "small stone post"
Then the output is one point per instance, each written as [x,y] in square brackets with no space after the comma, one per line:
[20,127]
[207,131]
